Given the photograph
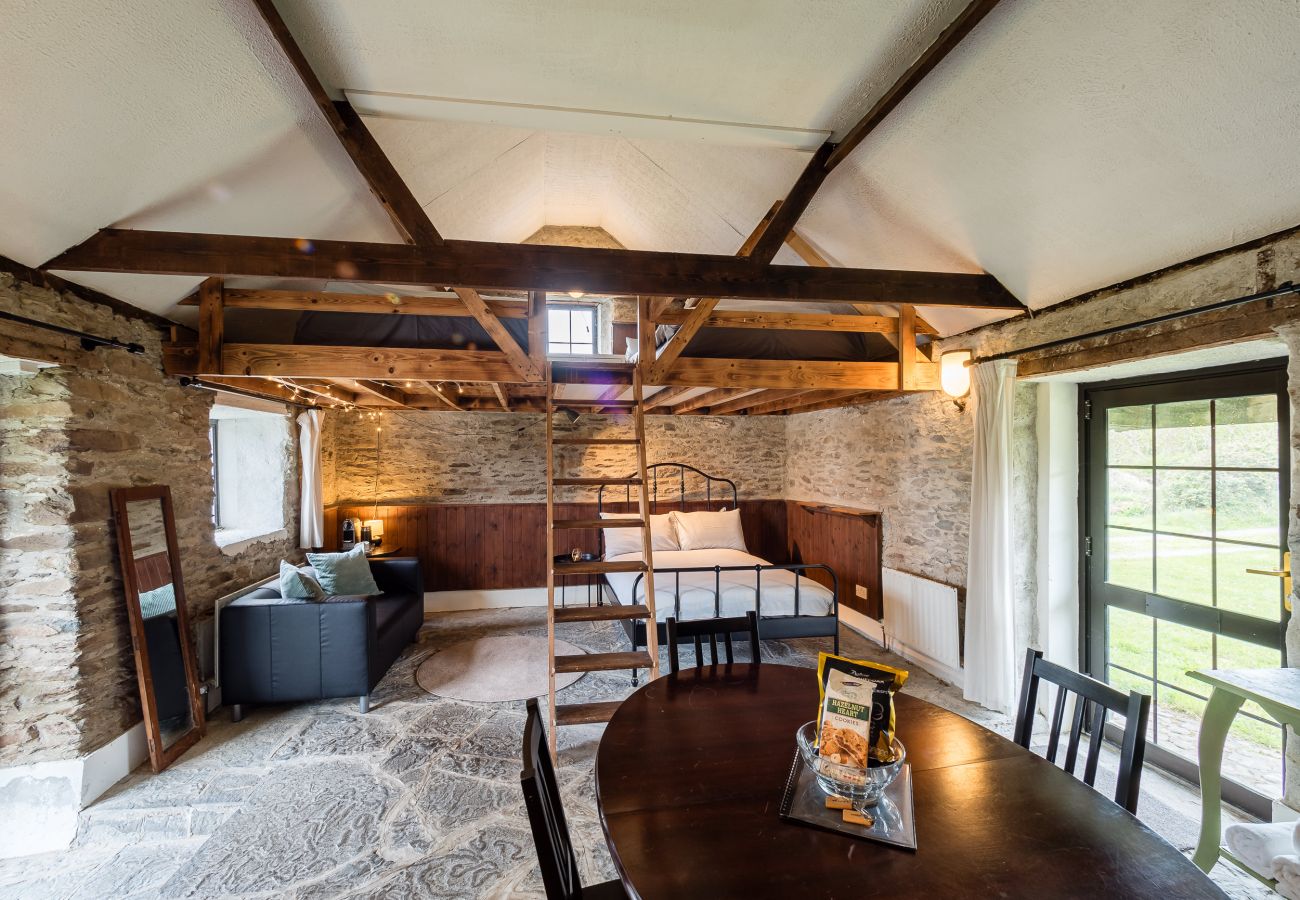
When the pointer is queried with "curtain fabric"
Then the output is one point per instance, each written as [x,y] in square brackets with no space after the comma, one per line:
[992,660]
[311,509]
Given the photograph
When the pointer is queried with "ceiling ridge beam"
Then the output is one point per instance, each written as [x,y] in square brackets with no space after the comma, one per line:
[408,216]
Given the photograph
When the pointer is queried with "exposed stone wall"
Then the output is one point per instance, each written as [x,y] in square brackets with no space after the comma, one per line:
[67,437]
[451,457]
[909,458]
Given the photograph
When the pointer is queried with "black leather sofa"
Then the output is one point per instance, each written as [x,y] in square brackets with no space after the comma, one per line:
[275,650]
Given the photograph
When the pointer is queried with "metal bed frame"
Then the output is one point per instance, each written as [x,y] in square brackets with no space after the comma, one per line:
[769,627]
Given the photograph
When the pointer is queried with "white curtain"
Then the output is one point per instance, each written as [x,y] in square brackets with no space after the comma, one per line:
[992,658]
[312,507]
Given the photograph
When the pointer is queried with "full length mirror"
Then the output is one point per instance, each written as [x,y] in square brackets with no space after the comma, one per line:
[155,601]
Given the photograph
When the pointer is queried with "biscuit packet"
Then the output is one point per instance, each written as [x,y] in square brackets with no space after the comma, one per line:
[855,723]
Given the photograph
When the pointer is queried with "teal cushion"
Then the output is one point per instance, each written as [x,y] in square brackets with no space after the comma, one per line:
[159,601]
[344,574]
[295,584]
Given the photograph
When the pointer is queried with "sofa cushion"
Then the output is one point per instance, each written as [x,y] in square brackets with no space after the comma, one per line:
[341,574]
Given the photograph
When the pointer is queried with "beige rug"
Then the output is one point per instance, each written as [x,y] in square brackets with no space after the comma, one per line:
[494,669]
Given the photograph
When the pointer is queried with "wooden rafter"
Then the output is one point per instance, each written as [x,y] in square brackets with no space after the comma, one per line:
[502,397]
[828,156]
[531,267]
[382,391]
[665,396]
[439,394]
[803,399]
[384,182]
[325,390]
[330,301]
[388,363]
[709,398]
[669,353]
[537,329]
[749,401]
[505,341]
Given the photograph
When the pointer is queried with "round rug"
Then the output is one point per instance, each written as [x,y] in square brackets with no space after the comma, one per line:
[494,669]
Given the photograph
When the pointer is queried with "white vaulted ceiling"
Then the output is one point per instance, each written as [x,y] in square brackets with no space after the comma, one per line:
[1062,147]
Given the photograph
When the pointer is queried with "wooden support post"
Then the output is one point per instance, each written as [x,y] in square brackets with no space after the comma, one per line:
[212,326]
[537,329]
[906,347]
[645,335]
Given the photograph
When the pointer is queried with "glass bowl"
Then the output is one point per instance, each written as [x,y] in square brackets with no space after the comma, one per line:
[862,787]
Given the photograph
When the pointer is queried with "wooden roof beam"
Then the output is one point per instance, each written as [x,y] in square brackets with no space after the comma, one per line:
[534,267]
[709,398]
[381,177]
[330,301]
[749,401]
[829,155]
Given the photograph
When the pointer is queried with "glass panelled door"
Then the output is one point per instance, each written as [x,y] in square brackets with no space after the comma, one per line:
[1187,490]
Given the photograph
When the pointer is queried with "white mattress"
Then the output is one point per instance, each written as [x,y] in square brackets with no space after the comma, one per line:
[697,588]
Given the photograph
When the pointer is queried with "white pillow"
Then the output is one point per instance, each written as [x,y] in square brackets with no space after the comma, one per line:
[709,530]
[663,536]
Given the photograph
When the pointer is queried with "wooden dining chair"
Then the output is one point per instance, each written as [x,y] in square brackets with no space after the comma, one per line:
[1100,698]
[711,629]
[555,854]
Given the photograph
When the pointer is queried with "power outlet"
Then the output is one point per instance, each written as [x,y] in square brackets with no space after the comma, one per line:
[861,591]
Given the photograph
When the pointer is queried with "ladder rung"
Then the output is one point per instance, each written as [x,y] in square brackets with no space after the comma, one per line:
[602,662]
[597,523]
[597,567]
[608,613]
[602,441]
[595,481]
[585,713]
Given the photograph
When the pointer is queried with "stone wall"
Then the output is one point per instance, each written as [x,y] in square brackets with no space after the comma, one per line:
[451,457]
[909,458]
[67,437]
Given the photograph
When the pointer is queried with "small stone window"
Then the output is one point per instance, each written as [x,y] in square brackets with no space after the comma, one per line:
[251,460]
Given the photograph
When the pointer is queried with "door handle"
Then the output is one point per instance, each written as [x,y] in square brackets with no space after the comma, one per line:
[1283,573]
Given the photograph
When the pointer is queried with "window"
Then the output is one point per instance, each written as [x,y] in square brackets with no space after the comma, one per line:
[571,329]
[250,460]
[1187,501]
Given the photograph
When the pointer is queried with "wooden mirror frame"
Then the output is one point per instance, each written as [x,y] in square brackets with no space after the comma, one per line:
[160,757]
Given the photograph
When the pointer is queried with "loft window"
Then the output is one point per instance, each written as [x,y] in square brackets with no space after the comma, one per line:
[571,329]
[251,453]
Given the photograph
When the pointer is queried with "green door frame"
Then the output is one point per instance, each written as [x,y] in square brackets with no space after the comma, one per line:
[1096,594]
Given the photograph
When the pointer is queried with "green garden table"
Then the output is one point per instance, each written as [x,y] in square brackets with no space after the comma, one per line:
[1278,692]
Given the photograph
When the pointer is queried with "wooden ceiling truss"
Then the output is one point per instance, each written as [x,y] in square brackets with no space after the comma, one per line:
[511,377]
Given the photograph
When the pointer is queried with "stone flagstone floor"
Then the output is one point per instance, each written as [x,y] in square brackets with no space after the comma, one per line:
[419,798]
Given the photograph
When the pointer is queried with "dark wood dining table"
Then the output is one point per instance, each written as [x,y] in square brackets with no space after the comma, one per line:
[690,772]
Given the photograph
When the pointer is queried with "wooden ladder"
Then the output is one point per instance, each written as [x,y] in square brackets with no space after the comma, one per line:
[585,713]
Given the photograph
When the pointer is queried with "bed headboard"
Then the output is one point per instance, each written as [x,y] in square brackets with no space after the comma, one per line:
[678,483]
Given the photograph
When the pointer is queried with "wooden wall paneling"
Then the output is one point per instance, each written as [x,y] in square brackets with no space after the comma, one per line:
[847,540]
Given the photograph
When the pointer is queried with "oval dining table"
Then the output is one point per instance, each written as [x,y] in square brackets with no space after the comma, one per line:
[690,772]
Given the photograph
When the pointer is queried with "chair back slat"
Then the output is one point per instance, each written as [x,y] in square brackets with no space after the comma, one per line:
[697,630]
[1076,733]
[555,853]
[1098,727]
[1093,702]
[1058,716]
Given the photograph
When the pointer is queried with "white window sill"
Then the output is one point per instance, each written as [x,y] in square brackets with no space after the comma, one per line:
[233,541]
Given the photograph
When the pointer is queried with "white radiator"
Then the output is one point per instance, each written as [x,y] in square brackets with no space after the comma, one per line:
[921,623]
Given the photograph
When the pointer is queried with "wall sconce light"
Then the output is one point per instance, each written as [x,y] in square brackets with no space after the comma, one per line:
[576,295]
[954,375]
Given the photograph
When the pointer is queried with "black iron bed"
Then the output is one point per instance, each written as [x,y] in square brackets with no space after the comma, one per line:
[692,486]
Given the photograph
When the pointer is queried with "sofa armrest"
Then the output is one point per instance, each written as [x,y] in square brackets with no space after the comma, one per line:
[398,575]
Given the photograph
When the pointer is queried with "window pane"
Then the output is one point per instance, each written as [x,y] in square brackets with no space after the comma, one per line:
[1255,748]
[1130,497]
[1129,641]
[1179,650]
[583,330]
[1245,432]
[1128,436]
[1128,559]
[1183,433]
[1184,569]
[1247,506]
[1183,502]
[1237,654]
[557,326]
[1239,591]
[1178,721]
[1125,682]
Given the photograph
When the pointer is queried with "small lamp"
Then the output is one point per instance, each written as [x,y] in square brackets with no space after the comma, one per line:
[376,529]
[954,373]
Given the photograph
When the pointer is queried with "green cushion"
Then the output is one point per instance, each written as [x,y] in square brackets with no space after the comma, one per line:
[159,601]
[344,574]
[295,584]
